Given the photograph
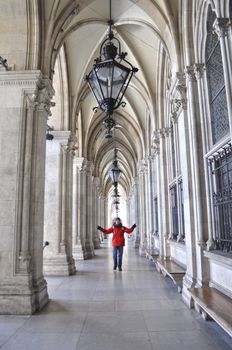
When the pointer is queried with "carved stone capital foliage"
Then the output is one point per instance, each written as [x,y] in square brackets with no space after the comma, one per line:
[155,146]
[222,27]
[190,73]
[179,97]
[181,85]
[199,69]
[72,144]
[142,167]
[41,98]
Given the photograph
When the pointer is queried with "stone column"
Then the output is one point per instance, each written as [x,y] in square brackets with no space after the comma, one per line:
[199,70]
[78,233]
[95,214]
[75,207]
[150,205]
[82,205]
[25,101]
[89,248]
[136,213]
[163,193]
[58,259]
[142,207]
[197,172]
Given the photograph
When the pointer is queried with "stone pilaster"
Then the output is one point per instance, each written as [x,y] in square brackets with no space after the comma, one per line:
[23,119]
[142,208]
[58,259]
[78,239]
[89,247]
[95,214]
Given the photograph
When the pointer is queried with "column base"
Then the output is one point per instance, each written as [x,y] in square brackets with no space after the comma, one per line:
[19,296]
[78,253]
[59,265]
[88,254]
[142,250]
[89,250]
[188,282]
[137,240]
[97,242]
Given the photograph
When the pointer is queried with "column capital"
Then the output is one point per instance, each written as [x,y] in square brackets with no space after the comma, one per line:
[72,144]
[199,69]
[190,73]
[41,98]
[222,26]
[78,161]
[179,101]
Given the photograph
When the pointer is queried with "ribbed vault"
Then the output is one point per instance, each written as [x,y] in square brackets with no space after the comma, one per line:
[146,30]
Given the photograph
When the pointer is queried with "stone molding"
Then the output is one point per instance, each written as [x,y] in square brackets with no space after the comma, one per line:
[61,135]
[20,78]
[222,27]
[179,99]
[219,257]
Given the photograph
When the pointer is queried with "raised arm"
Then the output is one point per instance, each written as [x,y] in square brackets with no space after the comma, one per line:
[129,230]
[105,230]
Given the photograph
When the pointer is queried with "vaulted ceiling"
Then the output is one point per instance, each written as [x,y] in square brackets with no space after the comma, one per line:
[147,32]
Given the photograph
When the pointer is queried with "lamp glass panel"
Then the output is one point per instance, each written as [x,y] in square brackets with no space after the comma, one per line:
[120,76]
[105,79]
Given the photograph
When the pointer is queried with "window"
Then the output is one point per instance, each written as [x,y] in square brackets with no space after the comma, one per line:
[216,83]
[156,216]
[221,170]
[173,152]
[181,200]
[174,211]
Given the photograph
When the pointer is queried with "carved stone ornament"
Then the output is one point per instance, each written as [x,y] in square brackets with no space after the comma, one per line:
[222,26]
[179,101]
[155,146]
[41,98]
[72,144]
[199,69]
[190,73]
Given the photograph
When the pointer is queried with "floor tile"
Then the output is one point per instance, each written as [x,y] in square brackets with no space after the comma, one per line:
[99,309]
[51,341]
[122,341]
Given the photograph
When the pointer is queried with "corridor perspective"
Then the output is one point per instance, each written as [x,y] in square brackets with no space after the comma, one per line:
[116,120]
[102,309]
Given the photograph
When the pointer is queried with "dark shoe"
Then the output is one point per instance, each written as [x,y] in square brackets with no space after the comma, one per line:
[115,267]
[120,269]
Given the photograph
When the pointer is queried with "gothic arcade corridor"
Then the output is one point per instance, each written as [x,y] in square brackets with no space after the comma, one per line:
[99,308]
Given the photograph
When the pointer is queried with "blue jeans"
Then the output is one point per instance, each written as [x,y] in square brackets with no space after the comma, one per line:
[117,256]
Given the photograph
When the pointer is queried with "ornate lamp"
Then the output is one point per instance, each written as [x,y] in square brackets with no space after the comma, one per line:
[110,77]
[114,171]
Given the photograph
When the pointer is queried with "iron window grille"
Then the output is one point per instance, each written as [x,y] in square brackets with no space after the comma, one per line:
[174,212]
[216,82]
[221,180]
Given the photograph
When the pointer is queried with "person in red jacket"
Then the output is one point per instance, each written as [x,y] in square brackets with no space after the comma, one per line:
[118,240]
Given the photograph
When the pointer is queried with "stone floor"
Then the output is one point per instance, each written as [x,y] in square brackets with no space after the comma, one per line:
[102,309]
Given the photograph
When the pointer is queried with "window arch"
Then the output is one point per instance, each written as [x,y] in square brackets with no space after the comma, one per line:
[216,83]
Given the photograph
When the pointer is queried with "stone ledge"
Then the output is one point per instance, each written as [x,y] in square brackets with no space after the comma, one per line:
[173,270]
[152,257]
[213,304]
[219,257]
